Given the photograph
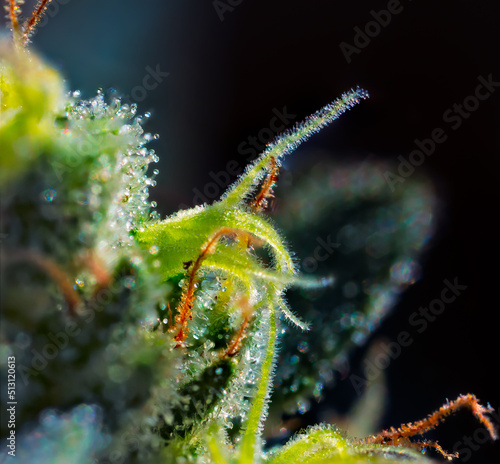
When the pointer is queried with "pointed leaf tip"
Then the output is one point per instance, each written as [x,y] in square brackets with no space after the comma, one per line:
[288,142]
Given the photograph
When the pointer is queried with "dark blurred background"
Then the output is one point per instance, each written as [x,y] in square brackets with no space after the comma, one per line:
[231,63]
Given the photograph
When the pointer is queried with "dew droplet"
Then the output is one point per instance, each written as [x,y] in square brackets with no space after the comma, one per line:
[303,347]
[129,282]
[49,195]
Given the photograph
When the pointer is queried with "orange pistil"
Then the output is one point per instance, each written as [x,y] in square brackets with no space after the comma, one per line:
[185,307]
[14,15]
[235,343]
[260,201]
[30,24]
[54,272]
[401,436]
[170,320]
[95,265]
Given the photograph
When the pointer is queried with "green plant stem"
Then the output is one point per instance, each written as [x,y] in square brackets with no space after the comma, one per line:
[258,409]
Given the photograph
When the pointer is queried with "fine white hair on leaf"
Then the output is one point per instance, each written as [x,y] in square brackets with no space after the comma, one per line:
[291,317]
[288,142]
